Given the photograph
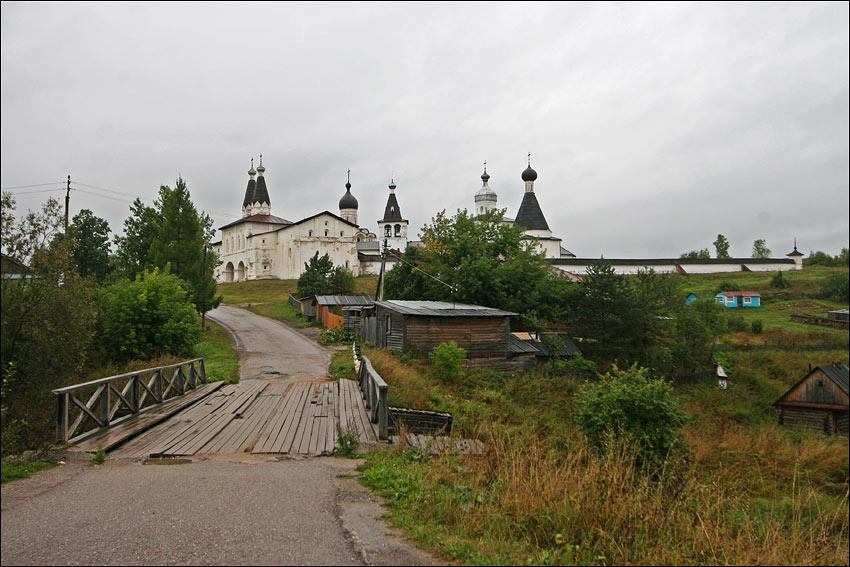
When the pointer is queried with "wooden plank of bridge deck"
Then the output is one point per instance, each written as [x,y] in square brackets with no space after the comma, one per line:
[240,432]
[204,428]
[283,442]
[224,416]
[333,418]
[309,418]
[169,432]
[155,438]
[292,442]
[270,431]
[117,434]
[320,423]
[360,414]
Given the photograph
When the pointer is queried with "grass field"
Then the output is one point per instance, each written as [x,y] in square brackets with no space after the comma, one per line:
[277,291]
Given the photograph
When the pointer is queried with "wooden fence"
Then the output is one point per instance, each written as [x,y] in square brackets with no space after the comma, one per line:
[374,391]
[116,398]
[294,303]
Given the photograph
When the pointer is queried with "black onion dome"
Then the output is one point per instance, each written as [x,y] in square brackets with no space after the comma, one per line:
[348,201]
[485,176]
[529,174]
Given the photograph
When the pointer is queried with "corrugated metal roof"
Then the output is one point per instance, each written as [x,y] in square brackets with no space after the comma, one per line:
[442,309]
[839,374]
[269,219]
[517,345]
[344,300]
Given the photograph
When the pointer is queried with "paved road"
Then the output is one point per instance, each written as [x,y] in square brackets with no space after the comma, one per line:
[269,349]
[213,512]
[228,510]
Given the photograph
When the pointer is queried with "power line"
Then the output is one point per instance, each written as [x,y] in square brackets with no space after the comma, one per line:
[36,191]
[103,189]
[123,200]
[27,186]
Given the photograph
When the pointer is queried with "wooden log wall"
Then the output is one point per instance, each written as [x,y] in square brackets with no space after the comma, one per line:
[816,419]
[482,337]
[815,320]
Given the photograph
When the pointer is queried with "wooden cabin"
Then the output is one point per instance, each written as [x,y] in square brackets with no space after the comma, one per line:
[820,400]
[421,325]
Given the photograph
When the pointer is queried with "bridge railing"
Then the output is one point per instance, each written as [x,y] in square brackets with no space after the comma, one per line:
[116,398]
[374,391]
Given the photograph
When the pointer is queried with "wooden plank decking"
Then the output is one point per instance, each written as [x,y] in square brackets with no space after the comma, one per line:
[265,417]
[112,436]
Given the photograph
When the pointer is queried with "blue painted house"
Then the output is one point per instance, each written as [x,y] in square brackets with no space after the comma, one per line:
[731,298]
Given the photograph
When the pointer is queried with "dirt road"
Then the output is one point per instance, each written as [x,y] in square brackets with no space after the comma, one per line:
[270,350]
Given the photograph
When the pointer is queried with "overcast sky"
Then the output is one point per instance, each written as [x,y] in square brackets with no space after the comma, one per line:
[653,127]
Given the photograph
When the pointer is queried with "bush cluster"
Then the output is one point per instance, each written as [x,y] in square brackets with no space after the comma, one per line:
[448,358]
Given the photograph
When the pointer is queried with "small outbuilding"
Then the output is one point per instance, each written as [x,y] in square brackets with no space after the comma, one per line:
[821,400]
[329,309]
[421,325]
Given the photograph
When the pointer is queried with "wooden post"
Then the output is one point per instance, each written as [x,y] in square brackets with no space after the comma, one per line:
[192,375]
[203,371]
[104,404]
[62,417]
[383,414]
[134,393]
[157,386]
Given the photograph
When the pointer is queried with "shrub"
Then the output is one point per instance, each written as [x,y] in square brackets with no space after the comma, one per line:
[150,316]
[779,281]
[581,367]
[837,286]
[727,285]
[737,323]
[447,357]
[757,326]
[629,404]
[336,337]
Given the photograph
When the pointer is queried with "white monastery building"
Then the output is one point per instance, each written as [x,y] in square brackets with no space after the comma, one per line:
[262,246]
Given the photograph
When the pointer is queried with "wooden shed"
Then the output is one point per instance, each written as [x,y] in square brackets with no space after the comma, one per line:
[421,325]
[329,308]
[820,400]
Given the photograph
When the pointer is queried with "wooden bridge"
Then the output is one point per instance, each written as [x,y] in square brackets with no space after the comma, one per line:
[131,414]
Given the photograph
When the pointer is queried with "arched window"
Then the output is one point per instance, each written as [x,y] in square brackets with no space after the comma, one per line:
[398,230]
[326,232]
[309,233]
[388,230]
[341,233]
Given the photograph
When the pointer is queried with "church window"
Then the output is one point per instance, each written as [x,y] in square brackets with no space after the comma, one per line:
[309,233]
[326,223]
[388,230]
[398,230]
[341,233]
[326,232]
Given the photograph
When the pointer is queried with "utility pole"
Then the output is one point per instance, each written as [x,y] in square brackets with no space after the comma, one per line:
[67,200]
[203,296]
[379,293]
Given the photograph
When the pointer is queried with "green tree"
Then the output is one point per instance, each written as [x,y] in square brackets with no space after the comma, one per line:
[604,313]
[149,316]
[697,328]
[721,247]
[141,229]
[320,277]
[90,245]
[760,249]
[479,260]
[49,323]
[630,405]
[183,242]
[703,254]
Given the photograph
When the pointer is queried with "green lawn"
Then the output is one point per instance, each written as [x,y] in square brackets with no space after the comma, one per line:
[276,291]
[221,360]
[282,312]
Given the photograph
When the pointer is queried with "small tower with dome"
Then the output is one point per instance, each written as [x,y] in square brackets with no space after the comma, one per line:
[348,204]
[392,229]
[486,198]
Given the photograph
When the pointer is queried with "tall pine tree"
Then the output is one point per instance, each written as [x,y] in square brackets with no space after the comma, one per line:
[183,243]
